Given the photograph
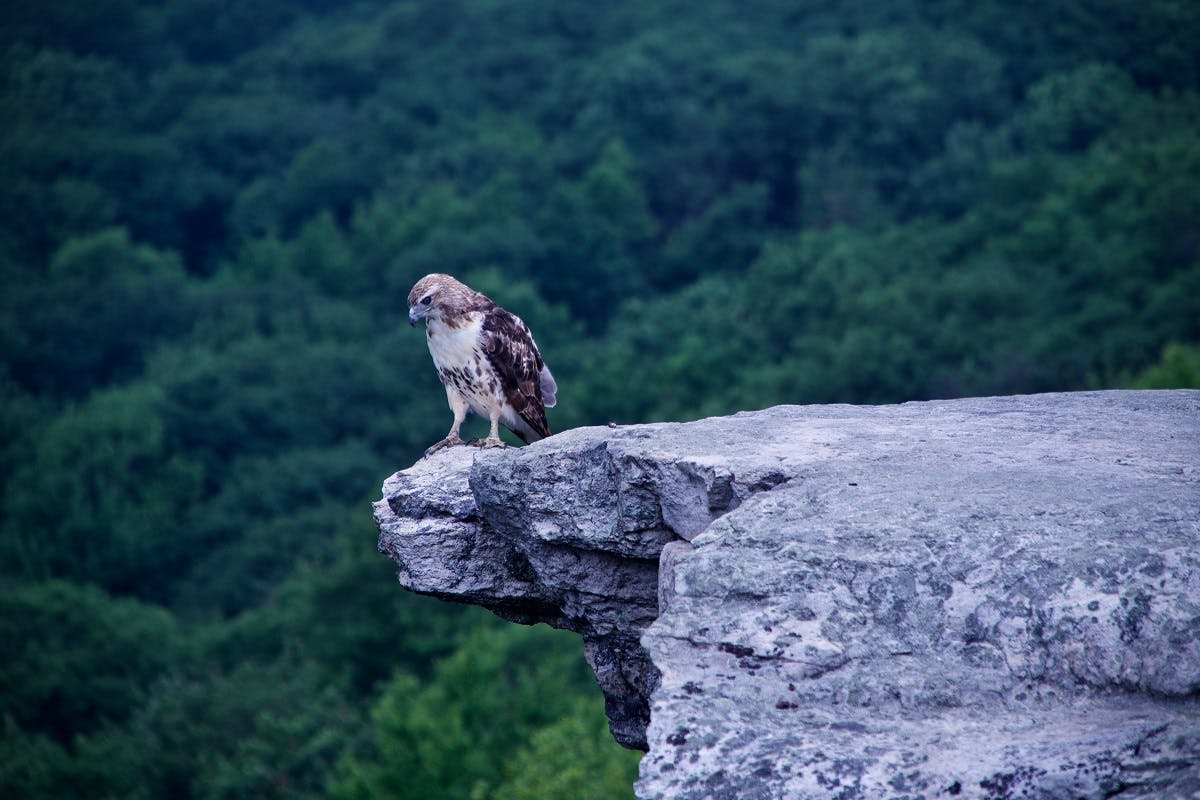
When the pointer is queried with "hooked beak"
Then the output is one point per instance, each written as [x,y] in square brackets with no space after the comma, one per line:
[413,316]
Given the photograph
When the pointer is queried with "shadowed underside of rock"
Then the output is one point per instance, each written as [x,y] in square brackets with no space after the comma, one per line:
[994,597]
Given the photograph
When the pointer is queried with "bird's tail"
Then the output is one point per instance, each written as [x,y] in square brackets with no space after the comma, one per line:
[533,425]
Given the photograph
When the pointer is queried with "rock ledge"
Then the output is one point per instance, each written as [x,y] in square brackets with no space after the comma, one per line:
[993,597]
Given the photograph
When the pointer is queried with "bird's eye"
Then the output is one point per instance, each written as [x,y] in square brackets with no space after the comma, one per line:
[426,300]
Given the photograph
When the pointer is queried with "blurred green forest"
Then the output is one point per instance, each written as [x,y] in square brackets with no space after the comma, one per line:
[212,213]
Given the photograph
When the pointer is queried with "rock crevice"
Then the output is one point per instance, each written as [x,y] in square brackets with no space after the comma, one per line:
[975,598]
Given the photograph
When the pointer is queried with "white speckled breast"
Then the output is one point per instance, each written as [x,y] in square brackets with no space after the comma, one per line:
[462,366]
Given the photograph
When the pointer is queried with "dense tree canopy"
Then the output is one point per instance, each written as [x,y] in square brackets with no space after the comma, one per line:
[212,213]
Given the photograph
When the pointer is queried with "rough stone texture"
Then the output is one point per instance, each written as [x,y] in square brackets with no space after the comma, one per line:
[995,597]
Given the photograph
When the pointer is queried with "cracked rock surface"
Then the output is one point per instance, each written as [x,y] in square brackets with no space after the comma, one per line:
[993,597]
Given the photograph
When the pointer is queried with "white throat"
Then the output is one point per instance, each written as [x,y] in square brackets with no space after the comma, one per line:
[453,347]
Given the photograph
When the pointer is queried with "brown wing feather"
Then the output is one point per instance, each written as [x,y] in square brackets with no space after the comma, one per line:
[516,360]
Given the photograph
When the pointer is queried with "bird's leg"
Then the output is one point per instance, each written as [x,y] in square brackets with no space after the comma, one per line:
[493,439]
[452,438]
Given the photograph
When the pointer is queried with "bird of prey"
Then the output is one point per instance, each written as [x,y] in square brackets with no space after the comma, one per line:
[486,359]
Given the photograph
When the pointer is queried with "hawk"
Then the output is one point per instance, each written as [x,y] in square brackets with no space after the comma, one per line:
[486,359]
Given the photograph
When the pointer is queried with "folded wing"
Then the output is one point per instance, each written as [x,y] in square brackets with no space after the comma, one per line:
[523,375]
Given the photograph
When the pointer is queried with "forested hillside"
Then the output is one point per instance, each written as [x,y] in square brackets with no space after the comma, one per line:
[211,214]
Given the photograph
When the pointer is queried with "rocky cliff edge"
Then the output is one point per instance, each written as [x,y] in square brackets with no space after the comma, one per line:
[994,597]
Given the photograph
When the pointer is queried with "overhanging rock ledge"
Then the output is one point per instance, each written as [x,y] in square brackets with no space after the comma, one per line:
[992,597]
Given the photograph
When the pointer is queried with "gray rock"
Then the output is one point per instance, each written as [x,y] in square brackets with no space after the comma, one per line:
[995,597]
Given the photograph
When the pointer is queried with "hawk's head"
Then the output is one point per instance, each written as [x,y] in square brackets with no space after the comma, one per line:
[438,296]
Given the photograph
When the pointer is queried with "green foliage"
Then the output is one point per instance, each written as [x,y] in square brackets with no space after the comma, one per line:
[346,615]
[211,216]
[570,758]
[453,736]
[257,731]
[1179,368]
[104,303]
[92,766]
[102,497]
[75,658]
